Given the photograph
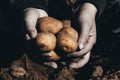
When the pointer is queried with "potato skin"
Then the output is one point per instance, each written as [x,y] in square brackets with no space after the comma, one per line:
[67,39]
[66,43]
[54,56]
[49,24]
[66,23]
[46,41]
[70,31]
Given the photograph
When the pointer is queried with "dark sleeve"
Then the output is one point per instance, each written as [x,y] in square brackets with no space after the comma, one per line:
[99,4]
[23,4]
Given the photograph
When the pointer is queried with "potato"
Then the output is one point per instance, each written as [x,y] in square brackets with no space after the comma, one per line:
[49,24]
[71,31]
[46,41]
[54,56]
[66,43]
[67,39]
[66,23]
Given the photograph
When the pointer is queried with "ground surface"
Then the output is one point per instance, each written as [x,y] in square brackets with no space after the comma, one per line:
[99,68]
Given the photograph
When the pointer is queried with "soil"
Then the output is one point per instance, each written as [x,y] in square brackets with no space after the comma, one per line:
[98,68]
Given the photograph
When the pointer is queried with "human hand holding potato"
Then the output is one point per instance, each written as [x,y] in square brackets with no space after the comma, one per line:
[85,41]
[31,16]
[87,36]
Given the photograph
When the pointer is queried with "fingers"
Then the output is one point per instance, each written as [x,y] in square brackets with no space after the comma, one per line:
[90,42]
[86,25]
[85,30]
[81,62]
[86,47]
[87,20]
[47,54]
[84,37]
[51,64]
[31,16]
[32,33]
[42,13]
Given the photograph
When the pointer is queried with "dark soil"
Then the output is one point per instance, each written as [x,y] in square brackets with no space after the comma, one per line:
[98,68]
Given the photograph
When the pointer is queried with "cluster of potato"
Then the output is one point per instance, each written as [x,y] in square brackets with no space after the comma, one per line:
[53,34]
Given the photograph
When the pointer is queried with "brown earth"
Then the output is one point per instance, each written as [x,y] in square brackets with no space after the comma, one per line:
[98,68]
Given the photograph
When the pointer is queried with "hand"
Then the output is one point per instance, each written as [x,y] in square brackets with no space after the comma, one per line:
[88,35]
[80,62]
[31,15]
[51,63]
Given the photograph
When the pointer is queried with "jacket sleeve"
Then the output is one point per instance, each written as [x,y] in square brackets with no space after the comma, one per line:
[99,4]
[23,4]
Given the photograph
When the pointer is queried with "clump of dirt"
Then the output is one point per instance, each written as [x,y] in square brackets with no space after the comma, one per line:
[104,68]
[65,74]
[29,70]
[25,69]
[98,68]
